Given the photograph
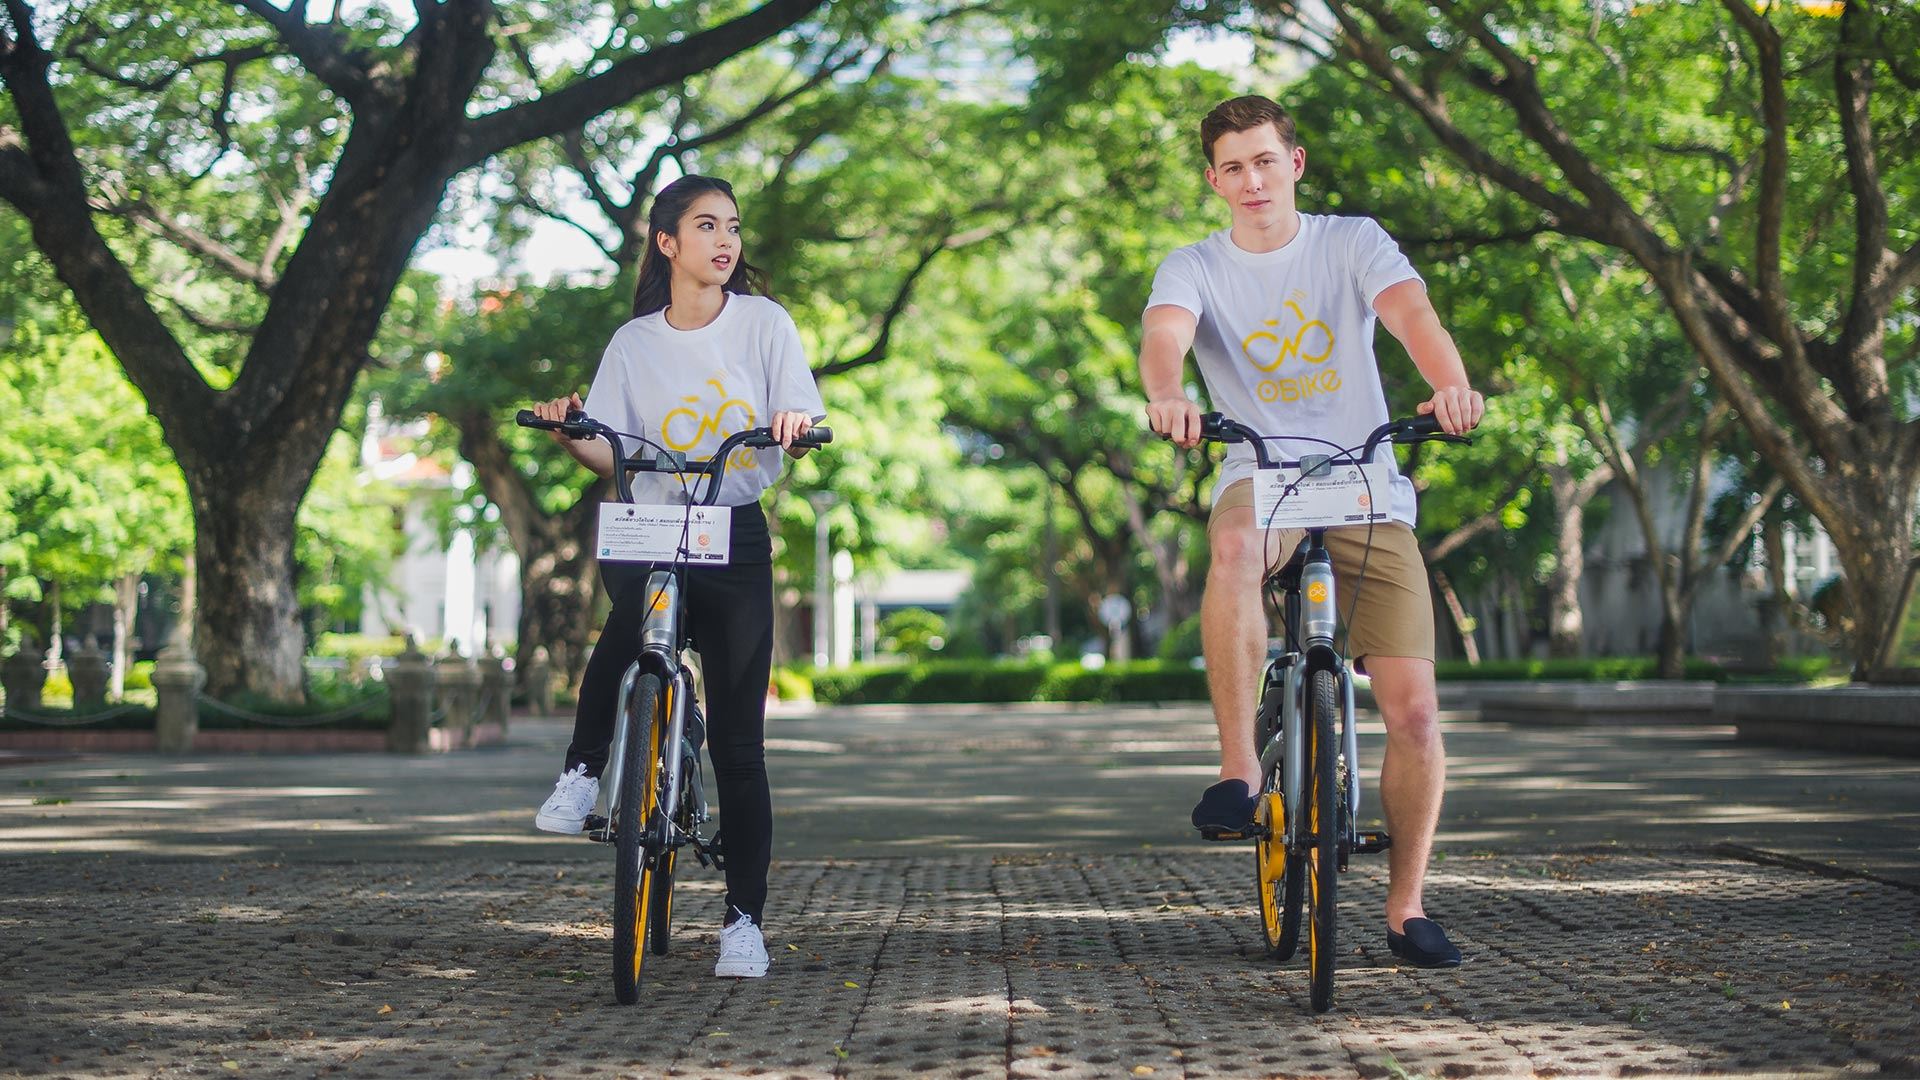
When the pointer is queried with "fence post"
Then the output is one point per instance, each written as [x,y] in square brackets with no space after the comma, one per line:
[87,671]
[177,679]
[24,675]
[459,682]
[410,691]
[496,675]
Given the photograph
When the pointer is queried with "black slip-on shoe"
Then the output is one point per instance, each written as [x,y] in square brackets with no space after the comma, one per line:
[1423,944]
[1225,811]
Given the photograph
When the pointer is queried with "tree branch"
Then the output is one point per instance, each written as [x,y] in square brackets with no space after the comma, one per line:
[1863,336]
[321,49]
[572,106]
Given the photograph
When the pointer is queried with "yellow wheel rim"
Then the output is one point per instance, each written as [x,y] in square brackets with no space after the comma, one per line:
[1270,859]
[649,785]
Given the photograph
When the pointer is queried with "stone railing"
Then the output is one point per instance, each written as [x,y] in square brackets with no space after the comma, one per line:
[464,696]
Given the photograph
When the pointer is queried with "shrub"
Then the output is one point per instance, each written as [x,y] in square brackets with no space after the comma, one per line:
[1182,642]
[913,632]
[790,684]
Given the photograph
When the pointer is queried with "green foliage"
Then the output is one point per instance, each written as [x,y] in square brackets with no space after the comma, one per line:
[792,684]
[89,492]
[1009,681]
[915,633]
[1183,641]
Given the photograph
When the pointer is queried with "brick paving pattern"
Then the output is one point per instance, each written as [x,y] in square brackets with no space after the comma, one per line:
[1597,962]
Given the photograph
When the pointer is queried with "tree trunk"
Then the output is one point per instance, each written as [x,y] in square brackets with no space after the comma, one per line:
[247,630]
[558,583]
[126,594]
[1566,625]
[1462,622]
[1875,546]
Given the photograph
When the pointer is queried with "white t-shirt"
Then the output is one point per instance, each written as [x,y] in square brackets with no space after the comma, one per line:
[688,390]
[1285,338]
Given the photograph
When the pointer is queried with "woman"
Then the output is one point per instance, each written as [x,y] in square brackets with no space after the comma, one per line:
[704,356]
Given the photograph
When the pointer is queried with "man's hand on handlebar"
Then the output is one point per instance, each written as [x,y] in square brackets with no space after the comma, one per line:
[1458,408]
[556,411]
[1177,419]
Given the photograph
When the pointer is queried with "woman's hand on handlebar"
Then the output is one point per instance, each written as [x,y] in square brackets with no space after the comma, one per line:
[556,411]
[788,426]
[1458,408]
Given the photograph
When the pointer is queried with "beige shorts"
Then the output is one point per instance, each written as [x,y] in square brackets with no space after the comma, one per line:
[1392,612]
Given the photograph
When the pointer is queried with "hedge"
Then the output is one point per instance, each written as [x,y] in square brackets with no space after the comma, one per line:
[955,681]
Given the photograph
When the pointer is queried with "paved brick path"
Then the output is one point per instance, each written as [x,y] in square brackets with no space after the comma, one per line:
[961,891]
[1582,963]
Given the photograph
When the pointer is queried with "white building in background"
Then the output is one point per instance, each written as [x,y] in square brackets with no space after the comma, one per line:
[441,589]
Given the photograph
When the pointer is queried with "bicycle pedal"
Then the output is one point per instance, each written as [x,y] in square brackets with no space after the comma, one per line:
[595,823]
[1224,835]
[1372,843]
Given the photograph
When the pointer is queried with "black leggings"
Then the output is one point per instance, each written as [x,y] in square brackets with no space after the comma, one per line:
[730,609]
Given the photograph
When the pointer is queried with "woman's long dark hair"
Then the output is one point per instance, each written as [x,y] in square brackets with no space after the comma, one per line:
[655,290]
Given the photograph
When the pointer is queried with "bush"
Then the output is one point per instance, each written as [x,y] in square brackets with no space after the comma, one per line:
[1182,642]
[358,646]
[1010,680]
[913,632]
[790,684]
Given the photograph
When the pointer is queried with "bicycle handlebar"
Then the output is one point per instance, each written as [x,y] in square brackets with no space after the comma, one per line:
[579,425]
[1215,427]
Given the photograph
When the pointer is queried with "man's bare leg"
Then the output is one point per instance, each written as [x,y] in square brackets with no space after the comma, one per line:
[1233,637]
[1412,777]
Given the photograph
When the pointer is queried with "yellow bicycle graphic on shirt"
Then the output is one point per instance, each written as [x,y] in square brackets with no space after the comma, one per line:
[732,415]
[1304,342]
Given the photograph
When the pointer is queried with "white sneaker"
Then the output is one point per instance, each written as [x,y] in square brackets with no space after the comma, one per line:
[743,953]
[566,810]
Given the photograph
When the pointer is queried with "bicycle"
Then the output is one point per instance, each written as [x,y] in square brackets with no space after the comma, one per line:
[655,800]
[1308,809]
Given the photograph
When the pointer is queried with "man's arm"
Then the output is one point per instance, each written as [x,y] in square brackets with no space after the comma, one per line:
[1167,334]
[1409,316]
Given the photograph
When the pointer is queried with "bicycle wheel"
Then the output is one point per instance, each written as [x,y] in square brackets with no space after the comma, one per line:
[662,902]
[633,870]
[1323,821]
[1281,879]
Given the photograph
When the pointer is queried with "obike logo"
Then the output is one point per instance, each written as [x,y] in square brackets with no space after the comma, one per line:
[685,428]
[1317,592]
[1307,386]
[1309,340]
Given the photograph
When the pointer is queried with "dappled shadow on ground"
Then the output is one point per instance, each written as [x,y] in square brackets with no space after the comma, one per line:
[1605,962]
[974,779]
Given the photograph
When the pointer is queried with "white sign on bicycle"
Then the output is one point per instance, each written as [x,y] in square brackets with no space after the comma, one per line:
[639,532]
[1343,494]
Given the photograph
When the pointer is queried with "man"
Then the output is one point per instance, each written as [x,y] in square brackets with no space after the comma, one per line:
[1279,311]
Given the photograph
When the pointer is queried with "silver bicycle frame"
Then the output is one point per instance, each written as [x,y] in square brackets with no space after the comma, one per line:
[659,635]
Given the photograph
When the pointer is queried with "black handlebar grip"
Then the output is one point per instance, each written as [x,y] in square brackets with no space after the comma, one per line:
[819,436]
[1213,425]
[526,418]
[1423,425]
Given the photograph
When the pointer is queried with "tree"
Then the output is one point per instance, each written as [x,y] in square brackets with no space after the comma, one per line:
[1766,192]
[123,121]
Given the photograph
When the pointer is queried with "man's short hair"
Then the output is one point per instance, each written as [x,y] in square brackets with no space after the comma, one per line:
[1242,114]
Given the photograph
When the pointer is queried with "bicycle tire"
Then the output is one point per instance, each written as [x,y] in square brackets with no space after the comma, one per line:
[632,868]
[1279,876]
[1323,819]
[660,924]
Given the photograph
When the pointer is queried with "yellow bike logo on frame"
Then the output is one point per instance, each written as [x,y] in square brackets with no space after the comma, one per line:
[732,415]
[1312,341]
